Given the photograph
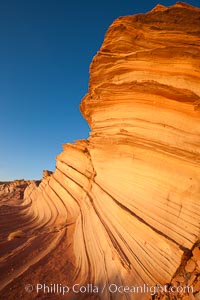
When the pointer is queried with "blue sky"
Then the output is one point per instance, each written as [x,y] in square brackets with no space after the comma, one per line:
[45,53]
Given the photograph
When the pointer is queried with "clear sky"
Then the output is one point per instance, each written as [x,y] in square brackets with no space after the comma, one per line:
[45,52]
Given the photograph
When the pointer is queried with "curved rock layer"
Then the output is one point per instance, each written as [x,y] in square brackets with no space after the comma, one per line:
[126,202]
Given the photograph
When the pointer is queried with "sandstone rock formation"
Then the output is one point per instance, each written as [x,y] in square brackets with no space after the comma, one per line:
[13,189]
[123,206]
[46,173]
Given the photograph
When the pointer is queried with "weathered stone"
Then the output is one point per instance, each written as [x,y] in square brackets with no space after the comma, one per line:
[191,280]
[197,296]
[47,173]
[190,266]
[196,253]
[13,190]
[186,297]
[125,202]
[198,266]
[178,279]
[191,296]
[197,286]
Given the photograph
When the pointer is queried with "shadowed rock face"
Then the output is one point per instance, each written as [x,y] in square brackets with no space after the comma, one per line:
[123,206]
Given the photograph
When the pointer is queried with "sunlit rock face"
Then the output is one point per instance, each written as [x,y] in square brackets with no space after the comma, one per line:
[128,198]
[13,189]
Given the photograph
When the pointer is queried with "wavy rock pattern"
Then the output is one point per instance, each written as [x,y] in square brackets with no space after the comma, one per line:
[127,199]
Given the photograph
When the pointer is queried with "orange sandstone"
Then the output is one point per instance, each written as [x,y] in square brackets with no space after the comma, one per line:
[126,201]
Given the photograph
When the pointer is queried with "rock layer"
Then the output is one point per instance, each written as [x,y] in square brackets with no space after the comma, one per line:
[127,199]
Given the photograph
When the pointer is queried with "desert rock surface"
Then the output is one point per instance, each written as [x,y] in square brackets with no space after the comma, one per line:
[122,207]
[13,190]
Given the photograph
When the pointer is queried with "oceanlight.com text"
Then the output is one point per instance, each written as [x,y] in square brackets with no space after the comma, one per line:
[58,288]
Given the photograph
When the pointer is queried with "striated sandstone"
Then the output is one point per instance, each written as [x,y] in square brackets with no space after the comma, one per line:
[127,199]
